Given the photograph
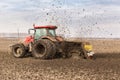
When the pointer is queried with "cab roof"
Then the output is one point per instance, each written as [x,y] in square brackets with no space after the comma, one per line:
[47,26]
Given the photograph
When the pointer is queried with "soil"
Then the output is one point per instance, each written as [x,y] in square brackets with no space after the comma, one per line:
[105,66]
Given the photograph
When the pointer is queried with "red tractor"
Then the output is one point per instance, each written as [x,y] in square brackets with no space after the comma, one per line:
[45,44]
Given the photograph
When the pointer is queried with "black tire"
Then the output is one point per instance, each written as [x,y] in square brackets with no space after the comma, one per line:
[44,49]
[18,50]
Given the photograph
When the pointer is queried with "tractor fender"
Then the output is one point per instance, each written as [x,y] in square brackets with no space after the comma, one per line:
[49,38]
[59,38]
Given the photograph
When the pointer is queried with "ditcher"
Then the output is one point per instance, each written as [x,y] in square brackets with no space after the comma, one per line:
[45,44]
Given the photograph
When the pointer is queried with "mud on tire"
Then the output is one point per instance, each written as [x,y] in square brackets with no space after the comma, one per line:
[18,50]
[44,49]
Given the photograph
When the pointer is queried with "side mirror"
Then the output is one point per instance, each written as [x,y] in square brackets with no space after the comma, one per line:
[31,31]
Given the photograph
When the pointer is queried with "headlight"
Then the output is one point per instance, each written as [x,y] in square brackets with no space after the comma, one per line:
[88,47]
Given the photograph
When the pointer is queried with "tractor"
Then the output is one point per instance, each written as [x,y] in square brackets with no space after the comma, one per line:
[43,43]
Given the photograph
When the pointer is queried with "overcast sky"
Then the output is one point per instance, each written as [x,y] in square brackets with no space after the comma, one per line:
[74,18]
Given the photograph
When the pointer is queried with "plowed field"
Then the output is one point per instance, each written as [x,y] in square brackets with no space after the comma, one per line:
[106,65]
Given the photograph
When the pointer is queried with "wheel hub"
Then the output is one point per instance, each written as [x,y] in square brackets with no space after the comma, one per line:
[19,51]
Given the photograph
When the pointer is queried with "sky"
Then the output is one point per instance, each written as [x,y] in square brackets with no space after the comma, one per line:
[74,18]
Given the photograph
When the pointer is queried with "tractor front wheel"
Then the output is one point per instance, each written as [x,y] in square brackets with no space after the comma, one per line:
[18,50]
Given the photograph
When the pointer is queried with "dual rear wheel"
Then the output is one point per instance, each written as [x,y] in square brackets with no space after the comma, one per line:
[44,49]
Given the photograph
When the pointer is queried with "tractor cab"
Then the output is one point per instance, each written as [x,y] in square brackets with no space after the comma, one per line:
[40,31]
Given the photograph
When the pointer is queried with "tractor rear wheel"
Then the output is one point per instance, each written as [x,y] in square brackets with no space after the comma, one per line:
[18,50]
[44,49]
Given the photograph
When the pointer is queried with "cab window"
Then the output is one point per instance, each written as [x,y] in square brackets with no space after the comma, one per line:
[51,32]
[40,32]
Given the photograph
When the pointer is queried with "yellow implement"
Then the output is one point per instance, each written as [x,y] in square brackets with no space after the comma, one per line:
[88,47]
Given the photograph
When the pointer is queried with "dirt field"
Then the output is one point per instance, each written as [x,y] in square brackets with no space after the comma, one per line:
[106,66]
